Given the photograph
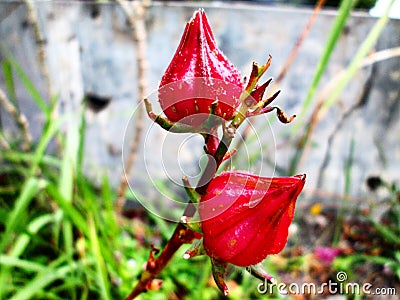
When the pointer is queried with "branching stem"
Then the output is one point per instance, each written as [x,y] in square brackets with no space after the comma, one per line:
[181,235]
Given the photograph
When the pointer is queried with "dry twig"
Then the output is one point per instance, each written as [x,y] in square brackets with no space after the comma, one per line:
[3,143]
[20,118]
[40,43]
[136,12]
[293,54]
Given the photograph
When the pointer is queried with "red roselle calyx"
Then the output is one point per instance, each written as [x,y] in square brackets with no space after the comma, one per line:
[245,217]
[198,75]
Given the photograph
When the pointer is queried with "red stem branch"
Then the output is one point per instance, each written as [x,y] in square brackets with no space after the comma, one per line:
[181,235]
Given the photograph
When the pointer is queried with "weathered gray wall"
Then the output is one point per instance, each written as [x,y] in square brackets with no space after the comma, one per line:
[88,53]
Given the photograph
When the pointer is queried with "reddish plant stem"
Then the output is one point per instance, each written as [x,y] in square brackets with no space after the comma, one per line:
[181,235]
[213,164]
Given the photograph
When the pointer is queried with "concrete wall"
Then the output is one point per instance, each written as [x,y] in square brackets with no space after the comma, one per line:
[90,49]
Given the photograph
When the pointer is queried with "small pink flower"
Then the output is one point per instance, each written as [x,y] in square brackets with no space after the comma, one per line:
[326,254]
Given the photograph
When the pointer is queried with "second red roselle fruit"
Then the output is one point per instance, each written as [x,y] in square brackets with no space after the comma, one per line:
[245,217]
[198,75]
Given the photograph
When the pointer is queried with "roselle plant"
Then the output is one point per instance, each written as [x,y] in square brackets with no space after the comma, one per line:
[242,217]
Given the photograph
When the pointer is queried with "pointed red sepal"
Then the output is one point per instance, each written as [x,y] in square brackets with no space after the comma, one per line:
[270,99]
[219,271]
[256,73]
[282,117]
[165,123]
[196,249]
[259,272]
[257,94]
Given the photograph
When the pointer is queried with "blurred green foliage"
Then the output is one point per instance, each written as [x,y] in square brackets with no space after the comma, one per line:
[60,237]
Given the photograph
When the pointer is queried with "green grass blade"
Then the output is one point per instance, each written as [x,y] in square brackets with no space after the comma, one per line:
[46,277]
[68,209]
[349,262]
[105,221]
[66,182]
[22,158]
[26,265]
[43,143]
[337,28]
[33,228]
[30,189]
[20,245]
[102,278]
[9,82]
[68,166]
[108,197]
[29,86]
[384,231]
[362,52]
[355,64]
[81,144]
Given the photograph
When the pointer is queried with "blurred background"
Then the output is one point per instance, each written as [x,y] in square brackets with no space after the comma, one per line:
[72,127]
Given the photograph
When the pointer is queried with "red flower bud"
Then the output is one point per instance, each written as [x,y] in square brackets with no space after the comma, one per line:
[246,217]
[198,75]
